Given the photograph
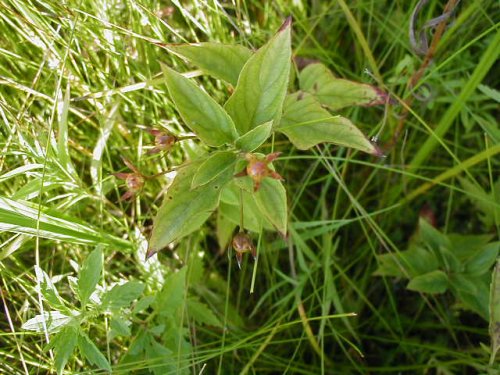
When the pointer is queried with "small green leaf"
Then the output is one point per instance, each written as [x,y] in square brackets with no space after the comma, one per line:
[215,165]
[432,282]
[487,203]
[255,137]
[484,258]
[120,326]
[479,301]
[199,111]
[306,124]
[463,283]
[230,207]
[262,85]
[223,61]
[53,321]
[184,210]
[337,93]
[225,229]
[271,200]
[202,313]
[64,344]
[92,353]
[89,275]
[122,295]
[431,237]
[171,297]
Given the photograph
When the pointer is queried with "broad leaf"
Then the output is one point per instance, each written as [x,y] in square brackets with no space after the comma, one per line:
[255,137]
[92,353]
[432,282]
[271,200]
[479,301]
[430,236]
[230,207]
[484,258]
[223,61]
[262,85]
[199,111]
[184,209]
[122,295]
[463,283]
[89,275]
[216,164]
[225,229]
[337,93]
[306,124]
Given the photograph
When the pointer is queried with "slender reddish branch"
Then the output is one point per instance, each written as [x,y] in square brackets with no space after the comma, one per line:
[415,78]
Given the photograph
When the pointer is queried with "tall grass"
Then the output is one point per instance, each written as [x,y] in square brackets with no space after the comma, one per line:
[79,84]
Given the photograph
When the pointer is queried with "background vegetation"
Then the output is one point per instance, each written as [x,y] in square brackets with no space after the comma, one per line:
[80,82]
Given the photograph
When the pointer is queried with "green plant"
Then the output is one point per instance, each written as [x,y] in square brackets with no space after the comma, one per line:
[435,263]
[259,108]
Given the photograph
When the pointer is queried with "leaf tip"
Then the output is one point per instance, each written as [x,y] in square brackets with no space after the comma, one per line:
[150,253]
[286,24]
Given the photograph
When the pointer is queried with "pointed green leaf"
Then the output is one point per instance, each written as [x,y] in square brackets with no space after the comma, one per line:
[255,137]
[230,207]
[432,282]
[483,259]
[216,164]
[171,297]
[92,353]
[463,283]
[262,85]
[271,200]
[199,111]
[223,61]
[184,209]
[201,313]
[52,321]
[337,93]
[89,276]
[430,236]
[122,295]
[306,124]
[64,343]
[225,229]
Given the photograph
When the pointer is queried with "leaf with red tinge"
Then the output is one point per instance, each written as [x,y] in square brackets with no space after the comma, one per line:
[336,93]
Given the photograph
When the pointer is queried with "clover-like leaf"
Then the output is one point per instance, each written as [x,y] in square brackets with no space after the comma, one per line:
[262,85]
[184,209]
[215,165]
[202,114]
[306,124]
[336,93]
[223,61]
[254,138]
